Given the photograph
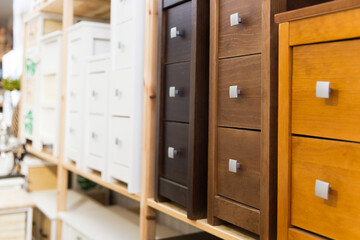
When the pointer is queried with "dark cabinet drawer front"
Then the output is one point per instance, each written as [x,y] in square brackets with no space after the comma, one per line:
[175,136]
[178,48]
[243,73]
[176,108]
[244,147]
[244,38]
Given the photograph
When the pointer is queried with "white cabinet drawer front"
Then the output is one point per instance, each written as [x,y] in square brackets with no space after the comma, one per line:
[48,125]
[49,89]
[74,135]
[50,57]
[97,94]
[101,46]
[75,57]
[119,172]
[124,45]
[98,65]
[75,95]
[124,10]
[120,140]
[95,162]
[97,135]
[121,93]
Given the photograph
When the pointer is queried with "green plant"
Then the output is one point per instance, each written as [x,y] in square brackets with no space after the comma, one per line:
[11,84]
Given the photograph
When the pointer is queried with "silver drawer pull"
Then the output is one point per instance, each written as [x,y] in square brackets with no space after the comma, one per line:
[173,91]
[322,189]
[117,141]
[172,152]
[174,32]
[94,93]
[72,94]
[235,19]
[234,92]
[233,165]
[71,130]
[93,135]
[117,92]
[323,89]
[121,45]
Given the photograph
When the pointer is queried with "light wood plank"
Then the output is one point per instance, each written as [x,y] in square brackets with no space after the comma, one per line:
[42,155]
[221,231]
[12,226]
[42,178]
[284,144]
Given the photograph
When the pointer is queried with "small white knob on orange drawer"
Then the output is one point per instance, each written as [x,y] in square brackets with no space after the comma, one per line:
[173,91]
[323,89]
[172,152]
[174,32]
[235,19]
[234,92]
[322,189]
[233,165]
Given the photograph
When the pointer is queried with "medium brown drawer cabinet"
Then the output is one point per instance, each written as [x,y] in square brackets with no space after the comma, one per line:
[319,138]
[182,105]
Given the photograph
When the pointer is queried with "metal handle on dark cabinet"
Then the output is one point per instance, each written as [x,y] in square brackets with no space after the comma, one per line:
[173,91]
[323,89]
[174,32]
[233,165]
[234,92]
[172,152]
[322,189]
[235,19]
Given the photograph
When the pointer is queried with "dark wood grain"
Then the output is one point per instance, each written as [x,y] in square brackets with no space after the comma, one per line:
[244,38]
[241,215]
[172,3]
[177,108]
[244,111]
[178,49]
[175,135]
[243,146]
[296,4]
[173,191]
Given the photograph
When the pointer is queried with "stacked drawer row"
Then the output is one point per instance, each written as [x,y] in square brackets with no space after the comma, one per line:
[319,103]
[181,153]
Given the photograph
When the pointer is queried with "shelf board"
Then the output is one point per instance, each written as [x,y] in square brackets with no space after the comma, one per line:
[116,187]
[99,9]
[42,155]
[221,231]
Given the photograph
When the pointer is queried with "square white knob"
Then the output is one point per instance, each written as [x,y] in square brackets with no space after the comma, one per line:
[233,165]
[234,19]
[171,152]
[322,189]
[173,91]
[234,92]
[173,32]
[323,89]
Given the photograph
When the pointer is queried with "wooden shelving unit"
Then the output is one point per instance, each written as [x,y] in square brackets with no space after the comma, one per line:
[42,155]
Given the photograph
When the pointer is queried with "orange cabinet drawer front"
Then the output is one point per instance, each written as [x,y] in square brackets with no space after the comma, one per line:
[325,161]
[316,68]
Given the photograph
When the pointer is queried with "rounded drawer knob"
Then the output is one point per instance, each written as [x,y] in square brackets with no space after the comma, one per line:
[117,92]
[172,152]
[233,165]
[234,92]
[93,135]
[121,45]
[235,19]
[117,141]
[322,189]
[72,94]
[71,130]
[94,93]
[174,32]
[173,91]
[323,89]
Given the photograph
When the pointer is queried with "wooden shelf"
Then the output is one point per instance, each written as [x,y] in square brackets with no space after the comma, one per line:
[99,9]
[221,231]
[116,187]
[42,155]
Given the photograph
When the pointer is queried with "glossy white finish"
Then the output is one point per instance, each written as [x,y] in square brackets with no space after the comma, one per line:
[173,91]
[234,92]
[323,89]
[322,189]
[235,19]
[233,165]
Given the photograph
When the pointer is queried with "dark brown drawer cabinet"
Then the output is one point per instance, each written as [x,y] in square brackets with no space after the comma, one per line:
[182,105]
[242,187]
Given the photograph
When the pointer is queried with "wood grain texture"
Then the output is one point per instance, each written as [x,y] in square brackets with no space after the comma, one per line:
[284,132]
[179,48]
[297,234]
[240,215]
[194,236]
[333,162]
[244,147]
[171,3]
[339,116]
[177,108]
[45,228]
[244,111]
[174,191]
[337,26]
[13,226]
[42,178]
[244,38]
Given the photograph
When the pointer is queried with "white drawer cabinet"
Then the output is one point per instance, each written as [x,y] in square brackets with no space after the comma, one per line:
[68,233]
[49,90]
[126,92]
[86,40]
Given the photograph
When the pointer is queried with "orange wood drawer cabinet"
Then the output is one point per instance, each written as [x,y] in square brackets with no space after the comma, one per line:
[319,122]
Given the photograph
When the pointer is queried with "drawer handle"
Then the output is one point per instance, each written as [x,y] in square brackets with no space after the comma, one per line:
[42,234]
[121,45]
[322,189]
[234,92]
[233,165]
[71,130]
[174,32]
[73,58]
[117,92]
[323,89]
[94,93]
[173,91]
[93,135]
[117,141]
[72,94]
[235,19]
[172,152]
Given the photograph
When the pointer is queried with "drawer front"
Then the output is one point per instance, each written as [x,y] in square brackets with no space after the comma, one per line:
[239,146]
[50,57]
[121,93]
[176,105]
[97,135]
[333,162]
[124,10]
[240,110]
[121,141]
[75,93]
[297,234]
[74,136]
[178,48]
[339,115]
[97,92]
[245,37]
[124,45]
[32,33]
[49,89]
[175,167]
[13,226]
[48,127]
[75,57]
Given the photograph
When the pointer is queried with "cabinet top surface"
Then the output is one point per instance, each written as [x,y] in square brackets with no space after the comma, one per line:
[14,199]
[317,10]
